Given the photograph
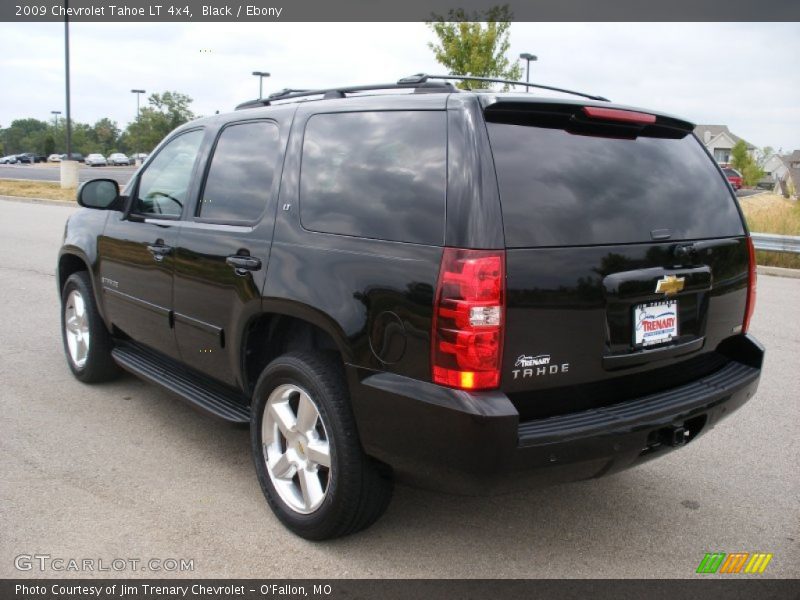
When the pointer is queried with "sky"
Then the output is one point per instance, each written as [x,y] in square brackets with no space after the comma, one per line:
[744,75]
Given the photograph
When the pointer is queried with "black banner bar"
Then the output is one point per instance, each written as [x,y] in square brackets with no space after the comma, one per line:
[393,10]
[735,588]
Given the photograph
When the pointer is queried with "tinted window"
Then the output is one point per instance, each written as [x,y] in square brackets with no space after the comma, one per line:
[375,174]
[561,189]
[164,184]
[239,181]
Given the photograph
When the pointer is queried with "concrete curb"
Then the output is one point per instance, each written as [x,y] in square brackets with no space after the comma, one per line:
[67,203]
[779,272]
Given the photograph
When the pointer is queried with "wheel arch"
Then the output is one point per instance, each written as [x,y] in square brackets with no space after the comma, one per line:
[273,333]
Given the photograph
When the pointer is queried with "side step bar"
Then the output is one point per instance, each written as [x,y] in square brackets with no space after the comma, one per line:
[207,396]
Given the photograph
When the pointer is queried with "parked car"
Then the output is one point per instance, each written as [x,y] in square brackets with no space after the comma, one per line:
[118,159]
[96,160]
[441,294]
[54,158]
[141,156]
[734,177]
[10,159]
[28,158]
[76,156]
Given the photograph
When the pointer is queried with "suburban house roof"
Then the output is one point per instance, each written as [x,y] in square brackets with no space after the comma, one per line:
[716,131]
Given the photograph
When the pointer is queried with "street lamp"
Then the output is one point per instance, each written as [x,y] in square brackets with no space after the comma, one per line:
[138,95]
[527,56]
[260,75]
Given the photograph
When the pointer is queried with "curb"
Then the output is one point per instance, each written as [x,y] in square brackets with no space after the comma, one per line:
[779,272]
[67,203]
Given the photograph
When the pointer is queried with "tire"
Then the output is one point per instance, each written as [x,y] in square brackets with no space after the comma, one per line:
[87,343]
[355,489]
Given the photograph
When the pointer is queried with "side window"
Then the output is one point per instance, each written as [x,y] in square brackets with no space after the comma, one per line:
[164,184]
[240,178]
[377,175]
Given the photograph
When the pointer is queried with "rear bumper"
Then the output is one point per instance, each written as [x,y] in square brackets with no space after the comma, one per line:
[474,443]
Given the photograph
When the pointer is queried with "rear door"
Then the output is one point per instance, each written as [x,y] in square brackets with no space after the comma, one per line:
[626,252]
[223,249]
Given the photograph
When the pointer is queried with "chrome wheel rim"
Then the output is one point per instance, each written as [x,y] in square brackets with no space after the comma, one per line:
[296,448]
[76,328]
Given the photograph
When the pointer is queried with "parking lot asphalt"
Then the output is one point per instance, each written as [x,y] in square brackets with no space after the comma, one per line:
[52,172]
[125,470]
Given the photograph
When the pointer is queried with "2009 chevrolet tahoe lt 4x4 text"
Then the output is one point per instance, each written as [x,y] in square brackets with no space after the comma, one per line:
[463,289]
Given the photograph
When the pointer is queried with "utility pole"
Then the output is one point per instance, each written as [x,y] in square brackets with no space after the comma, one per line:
[137,161]
[69,168]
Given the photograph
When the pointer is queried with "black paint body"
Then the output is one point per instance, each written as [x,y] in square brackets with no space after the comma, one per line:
[372,301]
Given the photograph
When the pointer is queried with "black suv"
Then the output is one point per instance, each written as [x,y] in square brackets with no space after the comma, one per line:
[466,290]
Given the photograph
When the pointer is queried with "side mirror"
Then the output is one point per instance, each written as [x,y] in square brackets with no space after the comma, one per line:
[102,194]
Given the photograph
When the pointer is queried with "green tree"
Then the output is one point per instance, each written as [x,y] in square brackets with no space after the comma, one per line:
[165,112]
[475,45]
[105,135]
[743,161]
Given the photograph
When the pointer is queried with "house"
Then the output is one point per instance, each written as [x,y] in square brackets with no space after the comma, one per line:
[784,171]
[719,141]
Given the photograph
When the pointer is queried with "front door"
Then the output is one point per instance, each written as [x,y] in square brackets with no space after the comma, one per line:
[223,250]
[137,251]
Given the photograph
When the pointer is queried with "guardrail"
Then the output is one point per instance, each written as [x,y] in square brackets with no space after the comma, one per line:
[776,243]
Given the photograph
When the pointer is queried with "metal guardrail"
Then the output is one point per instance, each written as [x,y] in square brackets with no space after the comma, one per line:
[776,243]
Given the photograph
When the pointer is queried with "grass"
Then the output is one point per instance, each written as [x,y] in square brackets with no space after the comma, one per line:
[770,213]
[36,189]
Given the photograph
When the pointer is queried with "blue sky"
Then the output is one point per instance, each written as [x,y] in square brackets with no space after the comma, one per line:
[743,75]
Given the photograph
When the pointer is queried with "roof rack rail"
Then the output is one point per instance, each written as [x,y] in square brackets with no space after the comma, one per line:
[421,78]
[341,92]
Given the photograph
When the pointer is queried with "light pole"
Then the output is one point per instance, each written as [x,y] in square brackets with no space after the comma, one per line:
[260,75]
[138,93]
[527,56]
[55,114]
[69,167]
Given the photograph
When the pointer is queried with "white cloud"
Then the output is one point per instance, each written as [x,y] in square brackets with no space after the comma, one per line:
[741,75]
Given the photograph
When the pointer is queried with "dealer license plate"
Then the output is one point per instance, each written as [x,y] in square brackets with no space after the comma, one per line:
[655,322]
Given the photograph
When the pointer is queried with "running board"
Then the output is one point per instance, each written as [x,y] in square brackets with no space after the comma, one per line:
[206,395]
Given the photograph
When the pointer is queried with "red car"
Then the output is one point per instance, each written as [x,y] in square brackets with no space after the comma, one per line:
[734,177]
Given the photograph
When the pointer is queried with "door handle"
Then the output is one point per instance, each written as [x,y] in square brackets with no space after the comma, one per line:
[159,250]
[243,264]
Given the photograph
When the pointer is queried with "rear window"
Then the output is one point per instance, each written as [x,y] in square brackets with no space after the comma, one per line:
[563,189]
[731,173]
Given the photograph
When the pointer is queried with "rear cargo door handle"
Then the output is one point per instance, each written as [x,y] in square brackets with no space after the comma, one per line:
[159,250]
[243,264]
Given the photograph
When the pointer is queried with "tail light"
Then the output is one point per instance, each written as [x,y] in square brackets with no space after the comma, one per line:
[468,319]
[615,114]
[751,285]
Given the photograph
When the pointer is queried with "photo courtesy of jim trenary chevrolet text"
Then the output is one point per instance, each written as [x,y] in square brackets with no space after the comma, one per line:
[432,299]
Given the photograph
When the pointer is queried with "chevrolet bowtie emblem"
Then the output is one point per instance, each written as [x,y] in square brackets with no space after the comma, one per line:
[670,285]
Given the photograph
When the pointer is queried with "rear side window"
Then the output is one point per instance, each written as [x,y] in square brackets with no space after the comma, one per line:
[563,189]
[376,175]
[243,166]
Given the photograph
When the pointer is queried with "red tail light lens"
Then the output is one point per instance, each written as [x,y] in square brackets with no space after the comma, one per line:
[751,286]
[468,319]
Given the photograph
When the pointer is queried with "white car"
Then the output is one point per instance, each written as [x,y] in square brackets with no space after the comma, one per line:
[11,159]
[118,159]
[54,158]
[96,160]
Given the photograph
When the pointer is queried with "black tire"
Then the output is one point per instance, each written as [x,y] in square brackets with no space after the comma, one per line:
[358,488]
[98,366]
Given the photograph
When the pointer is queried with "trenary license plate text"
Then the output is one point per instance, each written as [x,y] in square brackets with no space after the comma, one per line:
[655,323]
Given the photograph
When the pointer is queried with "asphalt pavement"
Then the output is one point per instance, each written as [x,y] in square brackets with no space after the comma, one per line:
[52,172]
[125,470]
